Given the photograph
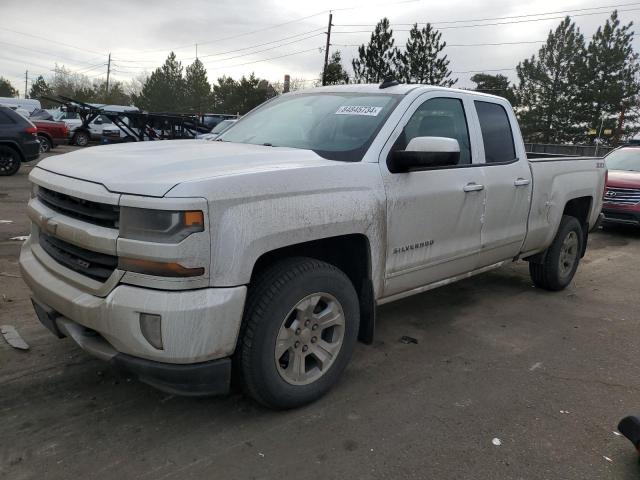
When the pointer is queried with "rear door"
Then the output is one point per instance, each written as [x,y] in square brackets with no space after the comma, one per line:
[507,180]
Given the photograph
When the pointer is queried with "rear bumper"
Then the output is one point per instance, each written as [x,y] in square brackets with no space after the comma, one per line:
[31,150]
[196,379]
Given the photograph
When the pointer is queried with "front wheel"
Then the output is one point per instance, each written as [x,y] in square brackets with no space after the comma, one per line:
[299,331]
[561,258]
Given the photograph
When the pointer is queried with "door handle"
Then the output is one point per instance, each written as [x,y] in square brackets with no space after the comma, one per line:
[473,187]
[521,182]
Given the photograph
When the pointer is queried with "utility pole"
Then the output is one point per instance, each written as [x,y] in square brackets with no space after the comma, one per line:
[326,51]
[26,78]
[108,73]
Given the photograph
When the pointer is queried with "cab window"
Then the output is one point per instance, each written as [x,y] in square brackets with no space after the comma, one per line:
[438,117]
[496,133]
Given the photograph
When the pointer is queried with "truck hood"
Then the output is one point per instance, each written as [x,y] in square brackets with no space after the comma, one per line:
[154,168]
[623,179]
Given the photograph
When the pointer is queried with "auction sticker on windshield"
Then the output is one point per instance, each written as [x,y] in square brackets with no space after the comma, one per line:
[359,110]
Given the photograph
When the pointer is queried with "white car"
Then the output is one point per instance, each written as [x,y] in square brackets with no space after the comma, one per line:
[217,130]
[81,136]
[268,251]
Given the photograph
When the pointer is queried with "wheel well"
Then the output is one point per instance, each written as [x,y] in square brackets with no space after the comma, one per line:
[46,135]
[14,148]
[580,209]
[349,253]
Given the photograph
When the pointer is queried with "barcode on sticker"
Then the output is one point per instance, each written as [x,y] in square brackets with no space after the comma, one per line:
[359,110]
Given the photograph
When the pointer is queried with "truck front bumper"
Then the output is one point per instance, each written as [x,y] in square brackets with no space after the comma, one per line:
[199,328]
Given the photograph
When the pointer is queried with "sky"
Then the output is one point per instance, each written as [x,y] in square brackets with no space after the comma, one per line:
[273,37]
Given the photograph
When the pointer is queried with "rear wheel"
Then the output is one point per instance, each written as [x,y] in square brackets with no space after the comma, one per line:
[561,258]
[81,139]
[45,144]
[9,161]
[299,331]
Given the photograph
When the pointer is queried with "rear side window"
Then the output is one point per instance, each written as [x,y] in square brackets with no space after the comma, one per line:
[496,133]
[5,119]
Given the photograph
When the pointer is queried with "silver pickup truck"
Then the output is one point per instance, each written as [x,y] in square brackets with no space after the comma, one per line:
[267,251]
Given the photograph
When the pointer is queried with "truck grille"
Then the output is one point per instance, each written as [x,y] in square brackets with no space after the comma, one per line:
[92,264]
[622,196]
[92,212]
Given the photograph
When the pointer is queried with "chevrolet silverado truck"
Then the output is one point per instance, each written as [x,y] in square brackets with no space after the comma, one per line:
[261,256]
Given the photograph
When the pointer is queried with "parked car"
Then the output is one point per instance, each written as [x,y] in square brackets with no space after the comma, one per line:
[81,136]
[210,120]
[50,134]
[18,141]
[267,252]
[622,195]
[217,130]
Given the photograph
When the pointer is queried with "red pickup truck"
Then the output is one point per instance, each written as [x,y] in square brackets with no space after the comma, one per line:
[50,133]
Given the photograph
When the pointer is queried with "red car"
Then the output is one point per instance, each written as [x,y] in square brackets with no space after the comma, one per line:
[621,203]
[50,133]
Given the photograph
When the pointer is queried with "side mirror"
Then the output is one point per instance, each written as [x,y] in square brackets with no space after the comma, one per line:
[425,152]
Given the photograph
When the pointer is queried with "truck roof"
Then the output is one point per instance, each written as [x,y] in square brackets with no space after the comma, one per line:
[400,89]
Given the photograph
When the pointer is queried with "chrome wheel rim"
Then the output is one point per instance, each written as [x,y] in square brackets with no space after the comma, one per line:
[309,339]
[44,145]
[568,253]
[6,161]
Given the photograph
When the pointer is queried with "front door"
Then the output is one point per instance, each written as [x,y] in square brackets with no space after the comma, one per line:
[433,215]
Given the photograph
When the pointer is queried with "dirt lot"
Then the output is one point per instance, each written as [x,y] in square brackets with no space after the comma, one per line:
[548,374]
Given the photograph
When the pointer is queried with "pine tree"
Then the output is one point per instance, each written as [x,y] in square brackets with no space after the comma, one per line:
[335,74]
[549,87]
[610,79]
[376,60]
[6,89]
[494,85]
[163,91]
[423,61]
[41,88]
[197,88]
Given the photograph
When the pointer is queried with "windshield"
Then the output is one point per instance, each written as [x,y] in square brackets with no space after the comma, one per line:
[336,126]
[223,125]
[624,159]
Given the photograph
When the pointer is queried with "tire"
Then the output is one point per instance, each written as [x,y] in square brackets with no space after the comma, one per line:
[9,161]
[562,257]
[81,139]
[281,324]
[128,139]
[45,144]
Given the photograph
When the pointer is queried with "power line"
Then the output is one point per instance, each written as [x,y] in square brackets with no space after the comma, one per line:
[51,41]
[268,59]
[486,24]
[45,53]
[527,42]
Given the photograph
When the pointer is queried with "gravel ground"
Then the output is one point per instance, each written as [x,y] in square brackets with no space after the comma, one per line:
[548,374]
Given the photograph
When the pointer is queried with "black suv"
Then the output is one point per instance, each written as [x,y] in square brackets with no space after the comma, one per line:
[18,141]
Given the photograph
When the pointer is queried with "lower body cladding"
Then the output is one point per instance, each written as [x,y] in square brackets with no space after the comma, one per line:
[177,341]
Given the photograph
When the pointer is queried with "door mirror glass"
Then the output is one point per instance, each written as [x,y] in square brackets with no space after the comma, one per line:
[425,152]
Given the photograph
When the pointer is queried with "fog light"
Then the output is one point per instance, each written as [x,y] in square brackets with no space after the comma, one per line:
[151,327]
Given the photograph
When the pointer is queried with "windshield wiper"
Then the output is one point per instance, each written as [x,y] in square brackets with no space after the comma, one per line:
[267,145]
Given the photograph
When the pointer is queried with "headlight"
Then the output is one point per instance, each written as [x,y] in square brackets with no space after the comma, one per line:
[160,226]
